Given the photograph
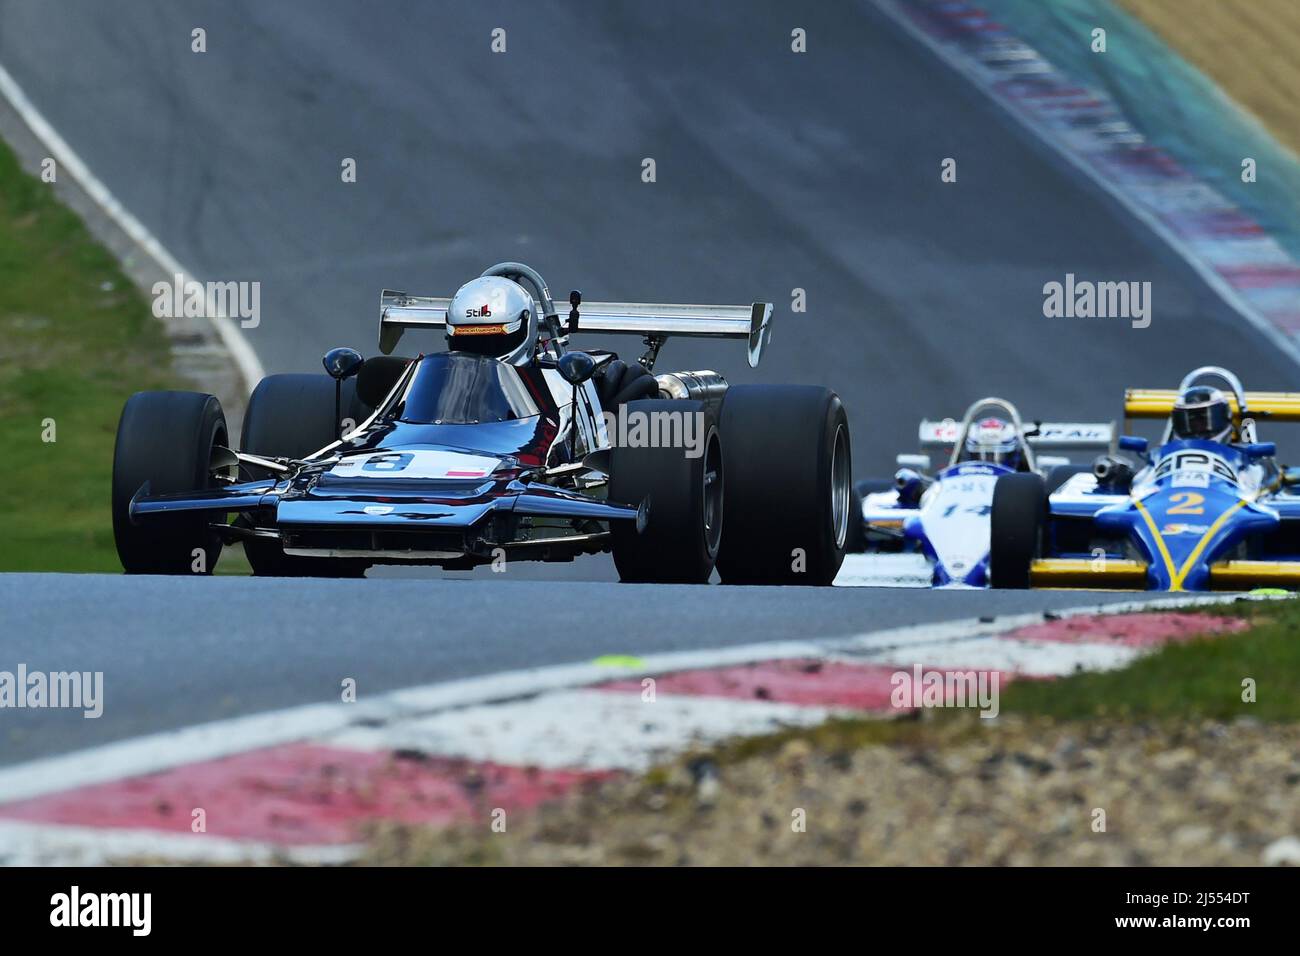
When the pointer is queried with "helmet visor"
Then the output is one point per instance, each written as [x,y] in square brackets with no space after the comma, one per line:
[1209,420]
[489,340]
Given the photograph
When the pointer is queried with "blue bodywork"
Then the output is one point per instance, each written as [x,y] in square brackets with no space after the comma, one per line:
[1196,503]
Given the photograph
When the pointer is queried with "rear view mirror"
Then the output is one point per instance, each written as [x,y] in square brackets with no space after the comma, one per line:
[915,462]
[342,363]
[576,367]
[1260,449]
[1134,443]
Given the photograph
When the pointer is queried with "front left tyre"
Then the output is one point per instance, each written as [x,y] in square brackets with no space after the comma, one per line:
[165,440]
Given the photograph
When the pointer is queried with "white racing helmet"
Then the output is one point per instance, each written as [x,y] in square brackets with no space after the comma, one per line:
[493,316]
[993,440]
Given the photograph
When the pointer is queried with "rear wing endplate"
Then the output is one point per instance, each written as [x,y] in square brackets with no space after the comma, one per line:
[399,311]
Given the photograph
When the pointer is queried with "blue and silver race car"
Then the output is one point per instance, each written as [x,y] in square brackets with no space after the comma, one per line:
[1209,509]
[942,518]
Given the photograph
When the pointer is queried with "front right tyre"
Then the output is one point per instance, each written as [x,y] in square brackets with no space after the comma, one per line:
[165,441]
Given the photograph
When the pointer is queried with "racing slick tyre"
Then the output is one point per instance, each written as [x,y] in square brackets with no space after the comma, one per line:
[1019,506]
[166,439]
[789,490]
[291,416]
[684,496]
[855,540]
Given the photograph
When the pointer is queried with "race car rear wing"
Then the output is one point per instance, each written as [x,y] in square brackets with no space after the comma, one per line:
[1159,403]
[753,323]
[1049,437]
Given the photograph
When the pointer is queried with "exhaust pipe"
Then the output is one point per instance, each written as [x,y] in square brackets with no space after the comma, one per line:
[702,386]
[1112,471]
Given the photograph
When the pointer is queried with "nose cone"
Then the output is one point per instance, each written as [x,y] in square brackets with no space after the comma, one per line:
[1184,529]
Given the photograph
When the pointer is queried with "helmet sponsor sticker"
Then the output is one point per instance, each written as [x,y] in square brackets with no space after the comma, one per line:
[477,329]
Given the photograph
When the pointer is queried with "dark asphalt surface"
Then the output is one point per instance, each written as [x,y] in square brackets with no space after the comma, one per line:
[775,171]
[182,651]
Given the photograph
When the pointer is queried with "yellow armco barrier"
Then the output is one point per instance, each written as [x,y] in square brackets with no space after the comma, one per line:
[1159,402]
[1110,574]
[1244,575]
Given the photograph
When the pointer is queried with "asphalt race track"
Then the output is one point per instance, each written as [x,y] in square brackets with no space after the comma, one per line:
[182,651]
[775,171]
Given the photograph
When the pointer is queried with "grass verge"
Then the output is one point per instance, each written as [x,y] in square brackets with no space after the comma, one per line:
[1199,679]
[1248,47]
[79,339]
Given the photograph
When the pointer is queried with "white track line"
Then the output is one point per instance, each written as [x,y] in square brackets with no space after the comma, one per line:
[1207,274]
[250,367]
[41,844]
[161,751]
[1032,658]
[887,570]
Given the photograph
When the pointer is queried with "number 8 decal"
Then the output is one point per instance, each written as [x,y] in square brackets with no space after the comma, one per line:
[394,462]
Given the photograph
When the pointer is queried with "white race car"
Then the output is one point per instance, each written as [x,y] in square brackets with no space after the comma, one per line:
[943,516]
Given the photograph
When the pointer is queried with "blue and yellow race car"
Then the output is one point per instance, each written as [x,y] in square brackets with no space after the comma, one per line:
[1208,509]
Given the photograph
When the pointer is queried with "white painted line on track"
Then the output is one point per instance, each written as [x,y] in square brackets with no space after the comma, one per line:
[231,335]
[42,844]
[1035,658]
[884,570]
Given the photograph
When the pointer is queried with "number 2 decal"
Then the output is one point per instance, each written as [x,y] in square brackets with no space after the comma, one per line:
[1187,503]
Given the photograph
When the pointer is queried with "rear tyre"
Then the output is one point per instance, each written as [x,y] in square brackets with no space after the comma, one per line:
[166,439]
[1016,529]
[787,459]
[684,502]
[292,416]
